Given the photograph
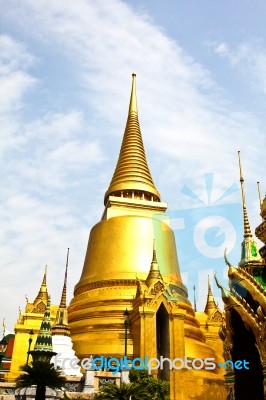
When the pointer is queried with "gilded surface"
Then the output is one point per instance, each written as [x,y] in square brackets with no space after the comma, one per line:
[121,272]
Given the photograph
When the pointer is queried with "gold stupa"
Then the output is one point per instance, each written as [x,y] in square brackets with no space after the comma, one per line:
[131,263]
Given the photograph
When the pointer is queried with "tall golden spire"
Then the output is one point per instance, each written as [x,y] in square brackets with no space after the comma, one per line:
[63,297]
[43,294]
[210,304]
[132,177]
[247,231]
[61,326]
[250,252]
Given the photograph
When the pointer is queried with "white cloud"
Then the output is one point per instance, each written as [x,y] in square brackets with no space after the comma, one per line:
[14,80]
[249,58]
[77,154]
[14,55]
[63,119]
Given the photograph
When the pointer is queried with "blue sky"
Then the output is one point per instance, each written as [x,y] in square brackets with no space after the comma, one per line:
[65,84]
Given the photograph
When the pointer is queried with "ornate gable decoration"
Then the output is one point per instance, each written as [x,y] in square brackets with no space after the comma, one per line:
[217,316]
[40,308]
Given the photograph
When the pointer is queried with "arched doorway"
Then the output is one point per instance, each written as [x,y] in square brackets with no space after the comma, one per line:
[248,382]
[163,340]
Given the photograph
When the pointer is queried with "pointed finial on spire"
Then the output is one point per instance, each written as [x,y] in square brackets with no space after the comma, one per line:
[210,304]
[43,294]
[195,304]
[247,231]
[133,107]
[63,297]
[154,255]
[4,327]
[154,272]
[259,192]
[209,286]
[44,276]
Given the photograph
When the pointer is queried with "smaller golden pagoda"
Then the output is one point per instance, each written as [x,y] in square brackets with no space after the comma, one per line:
[29,321]
[210,323]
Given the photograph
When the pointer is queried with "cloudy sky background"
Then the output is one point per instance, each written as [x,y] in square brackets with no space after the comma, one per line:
[65,83]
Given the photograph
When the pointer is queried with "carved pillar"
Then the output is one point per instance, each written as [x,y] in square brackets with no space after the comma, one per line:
[226,336]
[177,350]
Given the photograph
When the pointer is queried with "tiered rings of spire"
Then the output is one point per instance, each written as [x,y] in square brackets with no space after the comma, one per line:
[132,177]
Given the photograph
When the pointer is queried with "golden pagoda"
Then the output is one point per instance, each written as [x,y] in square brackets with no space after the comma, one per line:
[243,331]
[27,329]
[210,323]
[131,264]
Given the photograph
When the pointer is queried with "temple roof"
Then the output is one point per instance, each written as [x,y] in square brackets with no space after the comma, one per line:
[43,294]
[132,172]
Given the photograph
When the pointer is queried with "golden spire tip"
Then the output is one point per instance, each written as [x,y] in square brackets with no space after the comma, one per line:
[260,198]
[133,107]
[44,276]
[247,231]
[154,255]
[63,296]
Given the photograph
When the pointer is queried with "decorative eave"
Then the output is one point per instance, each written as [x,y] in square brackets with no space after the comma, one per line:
[234,300]
[250,284]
